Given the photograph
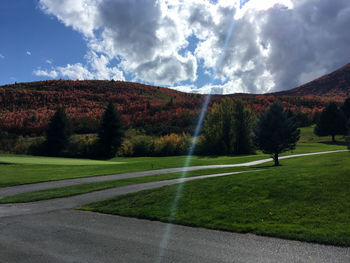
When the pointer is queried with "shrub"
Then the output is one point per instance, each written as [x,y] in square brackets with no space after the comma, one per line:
[80,146]
[142,145]
[126,149]
[37,147]
[172,144]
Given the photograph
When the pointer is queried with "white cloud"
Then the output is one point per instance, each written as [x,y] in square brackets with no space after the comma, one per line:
[28,53]
[75,71]
[2,56]
[44,73]
[186,88]
[48,61]
[96,68]
[79,14]
[275,44]
[100,68]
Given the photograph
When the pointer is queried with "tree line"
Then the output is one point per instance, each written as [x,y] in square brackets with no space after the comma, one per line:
[230,128]
[109,136]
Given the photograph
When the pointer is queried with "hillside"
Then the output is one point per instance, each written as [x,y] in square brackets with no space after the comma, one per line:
[336,83]
[25,108]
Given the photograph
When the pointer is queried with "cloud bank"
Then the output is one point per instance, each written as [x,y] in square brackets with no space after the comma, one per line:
[274,44]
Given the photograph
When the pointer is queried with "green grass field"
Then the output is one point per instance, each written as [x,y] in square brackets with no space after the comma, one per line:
[21,169]
[23,173]
[307,198]
[90,187]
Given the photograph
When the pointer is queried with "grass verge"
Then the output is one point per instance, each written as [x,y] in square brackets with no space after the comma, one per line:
[30,169]
[20,173]
[91,187]
[306,199]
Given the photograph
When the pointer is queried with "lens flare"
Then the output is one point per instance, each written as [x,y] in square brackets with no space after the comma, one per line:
[167,232]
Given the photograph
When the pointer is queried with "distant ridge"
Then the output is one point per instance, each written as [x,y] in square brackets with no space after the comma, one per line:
[335,84]
[25,108]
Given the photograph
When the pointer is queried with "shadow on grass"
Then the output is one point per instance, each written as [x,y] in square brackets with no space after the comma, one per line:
[1,163]
[335,143]
[266,166]
[213,156]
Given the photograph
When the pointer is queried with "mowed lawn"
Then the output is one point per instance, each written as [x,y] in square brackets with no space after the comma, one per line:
[307,198]
[22,169]
[66,191]
[17,169]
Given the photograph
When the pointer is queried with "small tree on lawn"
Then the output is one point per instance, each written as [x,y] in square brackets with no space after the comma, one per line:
[332,122]
[110,132]
[276,132]
[57,133]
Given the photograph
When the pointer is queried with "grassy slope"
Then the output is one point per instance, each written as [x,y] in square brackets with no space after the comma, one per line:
[307,198]
[90,187]
[29,169]
[20,173]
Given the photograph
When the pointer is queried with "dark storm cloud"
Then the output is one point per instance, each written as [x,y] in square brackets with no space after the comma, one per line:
[132,25]
[308,40]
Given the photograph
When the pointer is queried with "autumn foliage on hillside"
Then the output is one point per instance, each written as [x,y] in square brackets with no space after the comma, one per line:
[25,108]
[335,84]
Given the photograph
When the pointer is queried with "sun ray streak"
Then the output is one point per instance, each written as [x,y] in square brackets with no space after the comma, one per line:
[167,231]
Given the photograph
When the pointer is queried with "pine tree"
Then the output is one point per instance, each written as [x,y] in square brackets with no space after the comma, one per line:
[346,108]
[57,133]
[276,132]
[110,133]
[332,122]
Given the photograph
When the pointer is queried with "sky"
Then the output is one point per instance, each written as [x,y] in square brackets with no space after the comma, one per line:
[201,46]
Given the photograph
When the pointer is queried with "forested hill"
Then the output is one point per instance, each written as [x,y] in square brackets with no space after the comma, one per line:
[25,108]
[335,84]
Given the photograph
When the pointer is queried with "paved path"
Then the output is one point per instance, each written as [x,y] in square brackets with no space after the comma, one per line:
[7,210]
[7,191]
[75,236]
[46,232]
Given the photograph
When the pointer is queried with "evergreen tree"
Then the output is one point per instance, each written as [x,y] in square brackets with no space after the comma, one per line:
[243,128]
[276,132]
[57,134]
[110,132]
[332,122]
[346,108]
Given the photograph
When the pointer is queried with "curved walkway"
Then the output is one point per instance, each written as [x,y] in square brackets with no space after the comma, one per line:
[79,200]
[7,191]
[32,233]
[83,199]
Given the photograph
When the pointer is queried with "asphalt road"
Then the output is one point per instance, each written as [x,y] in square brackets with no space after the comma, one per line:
[75,236]
[47,231]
